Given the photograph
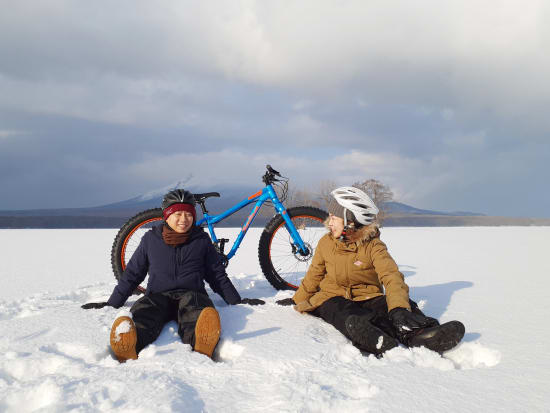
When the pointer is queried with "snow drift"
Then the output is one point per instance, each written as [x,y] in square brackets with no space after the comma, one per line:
[55,357]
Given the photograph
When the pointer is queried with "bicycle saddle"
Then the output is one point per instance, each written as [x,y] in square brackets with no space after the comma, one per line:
[202,197]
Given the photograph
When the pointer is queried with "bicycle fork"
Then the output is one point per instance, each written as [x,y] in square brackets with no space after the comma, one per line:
[298,246]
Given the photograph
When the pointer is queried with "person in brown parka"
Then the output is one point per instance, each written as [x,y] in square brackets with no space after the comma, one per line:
[354,284]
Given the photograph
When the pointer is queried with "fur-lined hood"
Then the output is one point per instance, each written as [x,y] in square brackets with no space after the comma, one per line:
[360,236]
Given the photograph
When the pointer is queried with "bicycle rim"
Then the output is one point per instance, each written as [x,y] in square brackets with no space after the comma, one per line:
[131,242]
[286,261]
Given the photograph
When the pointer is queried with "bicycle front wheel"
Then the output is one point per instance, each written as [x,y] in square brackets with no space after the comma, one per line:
[128,239]
[281,262]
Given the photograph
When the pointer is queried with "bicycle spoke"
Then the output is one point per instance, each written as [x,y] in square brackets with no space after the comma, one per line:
[285,259]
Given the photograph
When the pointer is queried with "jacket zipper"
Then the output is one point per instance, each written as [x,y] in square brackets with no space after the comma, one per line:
[175,263]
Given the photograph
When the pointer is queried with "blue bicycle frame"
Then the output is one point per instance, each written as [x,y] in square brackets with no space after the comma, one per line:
[268,193]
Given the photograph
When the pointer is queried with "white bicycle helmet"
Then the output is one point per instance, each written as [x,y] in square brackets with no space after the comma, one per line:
[357,202]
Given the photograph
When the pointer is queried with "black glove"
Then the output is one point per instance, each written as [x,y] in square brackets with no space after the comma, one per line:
[88,306]
[285,301]
[252,301]
[406,322]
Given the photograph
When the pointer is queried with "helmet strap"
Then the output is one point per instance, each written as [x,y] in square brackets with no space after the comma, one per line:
[345,217]
[346,226]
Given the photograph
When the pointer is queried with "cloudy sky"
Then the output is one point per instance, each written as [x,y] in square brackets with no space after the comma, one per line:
[446,102]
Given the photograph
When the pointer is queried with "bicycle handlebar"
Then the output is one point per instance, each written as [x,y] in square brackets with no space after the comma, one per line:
[273,171]
[270,176]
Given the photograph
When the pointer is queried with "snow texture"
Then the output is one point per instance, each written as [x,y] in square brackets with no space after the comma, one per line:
[54,356]
[122,328]
[380,342]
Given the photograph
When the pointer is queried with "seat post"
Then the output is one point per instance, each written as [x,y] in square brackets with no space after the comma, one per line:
[203,206]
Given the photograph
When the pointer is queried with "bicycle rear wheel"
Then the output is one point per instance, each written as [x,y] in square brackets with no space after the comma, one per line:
[283,266]
[128,239]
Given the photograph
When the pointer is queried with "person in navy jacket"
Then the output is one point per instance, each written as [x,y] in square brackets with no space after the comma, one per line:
[179,257]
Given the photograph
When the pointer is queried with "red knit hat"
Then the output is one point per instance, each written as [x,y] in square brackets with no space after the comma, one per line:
[179,207]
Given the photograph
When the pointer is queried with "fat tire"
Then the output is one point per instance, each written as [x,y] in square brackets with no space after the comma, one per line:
[275,225]
[118,250]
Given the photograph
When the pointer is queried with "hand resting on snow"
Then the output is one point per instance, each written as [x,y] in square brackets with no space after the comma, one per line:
[252,301]
[88,306]
[405,321]
[285,301]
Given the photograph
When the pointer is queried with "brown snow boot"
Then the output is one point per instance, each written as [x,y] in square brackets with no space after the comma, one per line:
[124,339]
[207,331]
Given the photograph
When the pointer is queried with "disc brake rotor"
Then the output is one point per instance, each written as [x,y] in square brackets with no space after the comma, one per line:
[299,256]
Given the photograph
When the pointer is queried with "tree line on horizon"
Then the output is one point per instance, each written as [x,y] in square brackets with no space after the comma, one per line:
[320,196]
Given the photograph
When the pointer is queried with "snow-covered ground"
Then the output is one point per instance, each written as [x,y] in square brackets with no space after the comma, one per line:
[54,356]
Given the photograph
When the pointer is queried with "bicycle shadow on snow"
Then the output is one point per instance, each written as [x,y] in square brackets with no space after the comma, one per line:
[437,297]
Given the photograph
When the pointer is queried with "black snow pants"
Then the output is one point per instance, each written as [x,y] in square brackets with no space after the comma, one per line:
[336,310]
[151,312]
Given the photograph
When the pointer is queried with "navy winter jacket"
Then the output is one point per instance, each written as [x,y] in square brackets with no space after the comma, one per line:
[186,267]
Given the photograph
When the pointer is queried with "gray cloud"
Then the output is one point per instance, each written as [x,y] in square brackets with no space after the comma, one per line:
[446,102]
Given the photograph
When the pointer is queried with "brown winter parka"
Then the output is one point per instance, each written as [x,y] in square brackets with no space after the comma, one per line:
[358,269]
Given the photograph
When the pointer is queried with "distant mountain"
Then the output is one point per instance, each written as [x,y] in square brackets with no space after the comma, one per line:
[399,208]
[113,215]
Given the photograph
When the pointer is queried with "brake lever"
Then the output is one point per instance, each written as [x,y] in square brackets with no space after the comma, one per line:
[273,171]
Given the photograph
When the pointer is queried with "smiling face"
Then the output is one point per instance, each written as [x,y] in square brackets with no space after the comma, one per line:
[180,221]
[336,225]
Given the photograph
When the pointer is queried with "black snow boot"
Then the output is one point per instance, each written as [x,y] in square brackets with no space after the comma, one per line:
[367,337]
[439,338]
